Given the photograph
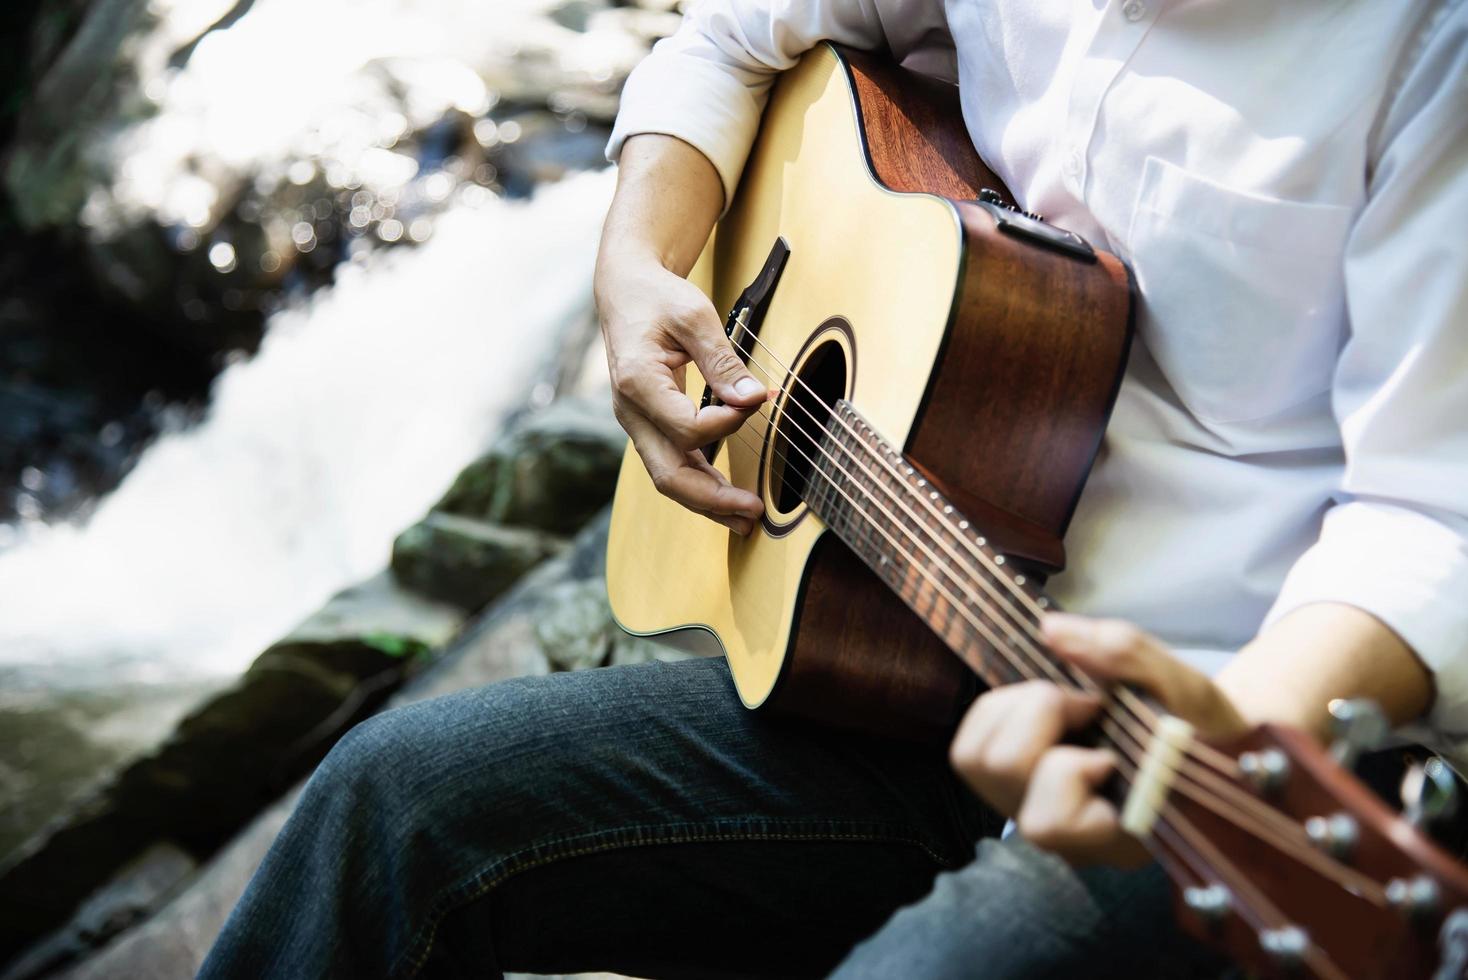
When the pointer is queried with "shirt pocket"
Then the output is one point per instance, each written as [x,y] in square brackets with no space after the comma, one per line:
[1242,294]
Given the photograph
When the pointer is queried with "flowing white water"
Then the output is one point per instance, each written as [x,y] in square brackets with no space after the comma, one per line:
[357,411]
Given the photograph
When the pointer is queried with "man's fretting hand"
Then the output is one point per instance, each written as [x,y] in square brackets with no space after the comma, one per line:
[655,322]
[1008,746]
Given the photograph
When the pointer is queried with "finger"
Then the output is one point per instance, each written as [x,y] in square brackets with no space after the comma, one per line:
[652,388]
[694,488]
[1061,811]
[702,336]
[741,526]
[1007,730]
[1114,650]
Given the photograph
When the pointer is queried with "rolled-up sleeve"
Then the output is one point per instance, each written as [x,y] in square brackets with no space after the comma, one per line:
[1396,542]
[707,84]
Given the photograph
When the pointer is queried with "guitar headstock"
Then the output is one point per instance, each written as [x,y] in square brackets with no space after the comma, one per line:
[1296,868]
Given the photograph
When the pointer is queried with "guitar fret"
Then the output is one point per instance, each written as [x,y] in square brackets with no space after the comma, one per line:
[883,509]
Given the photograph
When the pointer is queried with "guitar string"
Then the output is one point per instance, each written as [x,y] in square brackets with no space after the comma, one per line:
[1327,866]
[1259,812]
[1221,786]
[1314,956]
[1217,784]
[1136,704]
[1172,839]
[1076,678]
[1174,833]
[1305,853]
[1205,754]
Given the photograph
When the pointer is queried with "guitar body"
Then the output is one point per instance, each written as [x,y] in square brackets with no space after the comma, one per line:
[992,359]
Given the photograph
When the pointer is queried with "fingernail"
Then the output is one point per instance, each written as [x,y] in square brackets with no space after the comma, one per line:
[1065,627]
[748,387]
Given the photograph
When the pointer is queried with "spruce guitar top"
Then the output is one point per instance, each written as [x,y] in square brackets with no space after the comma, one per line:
[944,366]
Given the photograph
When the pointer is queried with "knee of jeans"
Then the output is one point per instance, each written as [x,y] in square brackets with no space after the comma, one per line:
[368,760]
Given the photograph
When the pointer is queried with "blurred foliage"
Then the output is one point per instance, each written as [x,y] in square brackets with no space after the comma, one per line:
[397,645]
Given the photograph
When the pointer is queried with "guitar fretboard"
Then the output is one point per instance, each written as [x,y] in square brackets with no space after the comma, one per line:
[917,542]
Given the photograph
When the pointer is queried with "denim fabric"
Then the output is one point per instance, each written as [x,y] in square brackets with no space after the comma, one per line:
[640,820]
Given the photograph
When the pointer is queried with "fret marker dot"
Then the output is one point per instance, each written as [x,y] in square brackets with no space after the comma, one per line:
[999,560]
[981,541]
[948,509]
[933,495]
[922,483]
[1019,580]
[963,525]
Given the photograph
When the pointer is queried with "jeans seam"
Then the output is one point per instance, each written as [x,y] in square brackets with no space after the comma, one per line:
[482,882]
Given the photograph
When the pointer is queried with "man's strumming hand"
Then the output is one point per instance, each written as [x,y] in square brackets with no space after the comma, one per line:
[655,323]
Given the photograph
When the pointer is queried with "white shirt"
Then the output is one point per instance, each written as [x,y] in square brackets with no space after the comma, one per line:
[1289,182]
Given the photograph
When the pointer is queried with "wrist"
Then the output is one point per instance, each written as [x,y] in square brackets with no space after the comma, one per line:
[620,264]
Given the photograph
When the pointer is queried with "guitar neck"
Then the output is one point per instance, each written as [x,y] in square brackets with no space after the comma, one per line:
[971,595]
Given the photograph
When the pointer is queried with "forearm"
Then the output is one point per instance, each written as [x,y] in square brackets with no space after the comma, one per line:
[1293,669]
[668,197]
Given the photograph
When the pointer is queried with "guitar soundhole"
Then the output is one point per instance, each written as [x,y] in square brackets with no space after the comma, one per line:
[802,415]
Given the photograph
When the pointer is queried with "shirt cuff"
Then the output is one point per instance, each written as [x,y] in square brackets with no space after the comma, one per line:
[1409,570]
[698,102]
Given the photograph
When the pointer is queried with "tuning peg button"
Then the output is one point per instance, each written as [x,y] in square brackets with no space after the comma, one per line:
[1358,726]
[1429,793]
[1286,945]
[1336,833]
[1210,902]
[1266,770]
[1415,898]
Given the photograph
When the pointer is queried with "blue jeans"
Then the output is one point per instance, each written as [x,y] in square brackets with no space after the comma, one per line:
[640,820]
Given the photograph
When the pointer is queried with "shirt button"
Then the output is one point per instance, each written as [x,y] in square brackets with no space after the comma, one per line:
[1134,10]
[1072,164]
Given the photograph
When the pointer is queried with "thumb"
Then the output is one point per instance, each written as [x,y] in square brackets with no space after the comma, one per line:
[722,368]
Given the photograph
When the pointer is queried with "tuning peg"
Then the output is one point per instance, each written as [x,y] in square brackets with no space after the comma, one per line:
[1286,945]
[1429,793]
[1212,903]
[1358,725]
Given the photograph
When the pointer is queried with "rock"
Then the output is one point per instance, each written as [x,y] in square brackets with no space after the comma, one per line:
[508,640]
[229,757]
[628,649]
[500,644]
[173,943]
[465,561]
[81,97]
[553,471]
[137,891]
[573,624]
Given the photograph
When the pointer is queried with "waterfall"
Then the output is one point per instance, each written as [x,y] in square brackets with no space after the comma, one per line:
[360,407]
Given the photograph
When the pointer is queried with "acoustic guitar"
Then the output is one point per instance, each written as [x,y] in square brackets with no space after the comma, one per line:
[945,365]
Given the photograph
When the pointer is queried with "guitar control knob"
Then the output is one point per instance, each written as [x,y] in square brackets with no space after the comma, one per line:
[1358,725]
[1429,793]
